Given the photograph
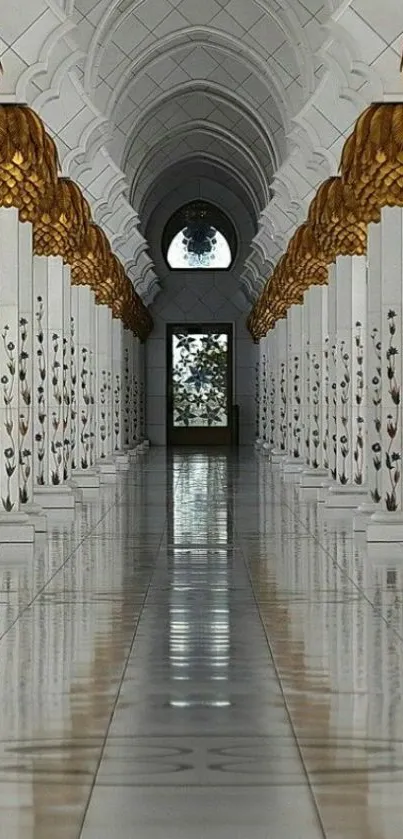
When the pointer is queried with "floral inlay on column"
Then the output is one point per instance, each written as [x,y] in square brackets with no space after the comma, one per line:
[8,381]
[376,384]
[40,436]
[66,411]
[393,456]
[359,396]
[307,430]
[315,389]
[126,415]
[25,454]
[327,405]
[85,418]
[272,408]
[297,408]
[73,400]
[283,408]
[334,416]
[142,410]
[264,400]
[91,409]
[56,445]
[109,408]
[116,400]
[345,405]
[257,400]
[103,423]
[136,408]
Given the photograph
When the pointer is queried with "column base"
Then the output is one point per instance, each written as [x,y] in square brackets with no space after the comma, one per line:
[313,478]
[121,460]
[54,497]
[85,479]
[107,470]
[15,528]
[265,448]
[37,517]
[346,497]
[293,466]
[323,491]
[385,527]
[277,457]
[361,517]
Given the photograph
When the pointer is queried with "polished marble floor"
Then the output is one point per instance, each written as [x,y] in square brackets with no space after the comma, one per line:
[201,654]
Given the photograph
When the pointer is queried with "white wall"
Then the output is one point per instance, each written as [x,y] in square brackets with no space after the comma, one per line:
[191,298]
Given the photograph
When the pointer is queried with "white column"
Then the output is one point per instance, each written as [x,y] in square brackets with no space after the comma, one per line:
[119,454]
[67,373]
[272,387]
[332,386]
[295,461]
[26,381]
[373,355]
[305,384]
[316,329]
[103,396]
[283,373]
[350,326]
[264,396]
[84,473]
[134,392]
[279,356]
[126,388]
[142,398]
[387,524]
[14,524]
[51,491]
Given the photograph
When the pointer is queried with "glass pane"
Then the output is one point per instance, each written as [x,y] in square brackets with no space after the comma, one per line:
[183,254]
[199,380]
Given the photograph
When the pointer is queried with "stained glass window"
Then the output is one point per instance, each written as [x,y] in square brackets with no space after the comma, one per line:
[200,365]
[199,248]
[199,235]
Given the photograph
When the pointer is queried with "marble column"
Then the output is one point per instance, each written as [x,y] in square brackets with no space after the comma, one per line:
[316,333]
[15,526]
[264,397]
[295,349]
[259,393]
[119,455]
[387,524]
[329,441]
[104,397]
[134,401]
[26,368]
[142,398]
[350,490]
[279,353]
[51,490]
[85,475]
[373,355]
[67,464]
[130,396]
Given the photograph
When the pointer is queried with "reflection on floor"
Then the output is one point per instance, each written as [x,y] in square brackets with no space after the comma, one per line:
[201,655]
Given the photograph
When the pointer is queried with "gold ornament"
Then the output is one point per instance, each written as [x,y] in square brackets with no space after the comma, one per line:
[28,160]
[62,222]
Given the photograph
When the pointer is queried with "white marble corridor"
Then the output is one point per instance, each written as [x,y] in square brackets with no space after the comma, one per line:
[201,654]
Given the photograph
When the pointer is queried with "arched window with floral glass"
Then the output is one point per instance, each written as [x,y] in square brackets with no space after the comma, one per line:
[199,236]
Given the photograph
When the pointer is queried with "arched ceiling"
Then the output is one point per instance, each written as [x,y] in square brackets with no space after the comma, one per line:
[216,82]
[256,96]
